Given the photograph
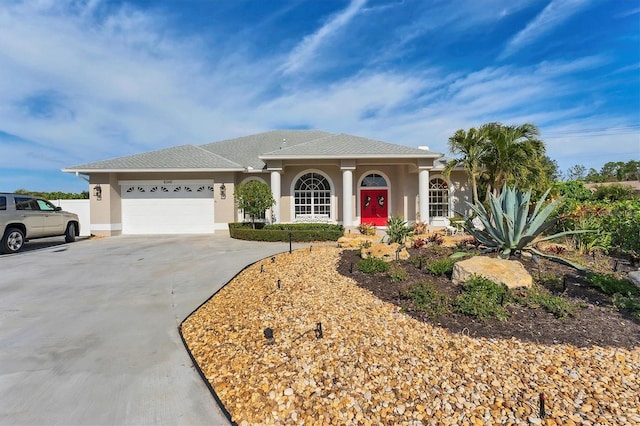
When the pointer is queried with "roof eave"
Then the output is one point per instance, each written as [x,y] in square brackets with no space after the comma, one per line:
[154,170]
[347,156]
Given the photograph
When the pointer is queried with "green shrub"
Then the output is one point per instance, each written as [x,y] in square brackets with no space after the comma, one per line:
[589,242]
[246,225]
[624,225]
[372,265]
[537,296]
[615,192]
[573,190]
[416,260]
[397,230]
[483,298]
[367,229]
[330,227]
[550,279]
[243,231]
[428,299]
[397,273]
[442,266]
[611,285]
[616,224]
[630,303]
[439,250]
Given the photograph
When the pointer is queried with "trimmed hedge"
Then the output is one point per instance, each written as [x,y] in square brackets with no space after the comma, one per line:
[300,232]
[306,227]
[246,225]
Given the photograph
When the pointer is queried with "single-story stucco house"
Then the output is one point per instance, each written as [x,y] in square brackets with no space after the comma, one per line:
[315,176]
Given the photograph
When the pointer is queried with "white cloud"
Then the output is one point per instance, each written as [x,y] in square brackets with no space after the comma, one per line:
[554,14]
[123,86]
[305,51]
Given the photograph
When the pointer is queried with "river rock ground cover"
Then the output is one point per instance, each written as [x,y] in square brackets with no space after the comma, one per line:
[377,365]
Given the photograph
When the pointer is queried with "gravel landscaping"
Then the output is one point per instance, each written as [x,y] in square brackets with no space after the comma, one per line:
[375,364]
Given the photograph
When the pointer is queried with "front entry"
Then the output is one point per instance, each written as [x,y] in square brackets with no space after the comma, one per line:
[374,206]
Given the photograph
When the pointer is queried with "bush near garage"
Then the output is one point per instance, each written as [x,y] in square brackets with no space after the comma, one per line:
[299,232]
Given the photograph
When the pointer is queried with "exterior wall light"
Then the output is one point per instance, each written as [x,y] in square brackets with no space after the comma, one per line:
[97,192]
[223,192]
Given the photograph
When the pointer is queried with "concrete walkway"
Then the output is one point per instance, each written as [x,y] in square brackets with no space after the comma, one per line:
[88,331]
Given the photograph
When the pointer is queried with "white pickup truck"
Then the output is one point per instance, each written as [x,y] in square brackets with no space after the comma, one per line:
[23,217]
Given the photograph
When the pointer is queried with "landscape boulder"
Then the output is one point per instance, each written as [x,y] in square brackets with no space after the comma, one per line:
[386,252]
[634,277]
[356,240]
[508,272]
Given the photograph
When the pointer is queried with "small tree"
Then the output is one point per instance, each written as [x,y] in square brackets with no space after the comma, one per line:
[254,197]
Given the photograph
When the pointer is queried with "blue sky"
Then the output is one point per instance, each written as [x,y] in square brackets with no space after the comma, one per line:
[87,80]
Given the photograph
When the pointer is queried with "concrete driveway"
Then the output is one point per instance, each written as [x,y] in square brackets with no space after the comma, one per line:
[88,331]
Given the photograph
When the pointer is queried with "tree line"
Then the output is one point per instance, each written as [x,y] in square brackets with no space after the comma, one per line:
[613,171]
[56,195]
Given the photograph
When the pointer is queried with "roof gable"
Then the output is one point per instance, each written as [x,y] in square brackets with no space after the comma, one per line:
[246,150]
[347,146]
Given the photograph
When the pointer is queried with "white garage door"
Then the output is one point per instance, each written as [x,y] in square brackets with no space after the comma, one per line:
[167,207]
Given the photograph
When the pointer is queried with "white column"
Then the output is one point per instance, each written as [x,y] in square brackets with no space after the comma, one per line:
[275,190]
[347,195]
[423,193]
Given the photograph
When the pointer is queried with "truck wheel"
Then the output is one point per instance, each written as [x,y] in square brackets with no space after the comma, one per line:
[12,241]
[70,233]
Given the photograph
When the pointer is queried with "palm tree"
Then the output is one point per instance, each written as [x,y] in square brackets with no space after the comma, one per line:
[472,147]
[513,156]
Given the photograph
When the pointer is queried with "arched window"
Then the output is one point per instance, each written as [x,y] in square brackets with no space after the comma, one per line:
[438,198]
[312,194]
[373,180]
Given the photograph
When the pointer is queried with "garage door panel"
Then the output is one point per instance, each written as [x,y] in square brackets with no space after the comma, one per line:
[151,209]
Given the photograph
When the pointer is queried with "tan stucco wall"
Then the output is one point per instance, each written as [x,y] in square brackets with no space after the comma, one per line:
[462,193]
[402,181]
[106,218]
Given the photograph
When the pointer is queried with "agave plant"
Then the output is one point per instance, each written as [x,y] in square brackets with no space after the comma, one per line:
[397,230]
[510,229]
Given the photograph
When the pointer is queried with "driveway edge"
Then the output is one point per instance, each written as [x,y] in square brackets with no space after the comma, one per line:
[193,360]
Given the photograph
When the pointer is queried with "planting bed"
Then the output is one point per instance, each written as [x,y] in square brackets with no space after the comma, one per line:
[595,322]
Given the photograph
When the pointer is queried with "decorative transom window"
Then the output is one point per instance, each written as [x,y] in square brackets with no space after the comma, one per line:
[312,194]
[438,198]
[373,180]
[166,188]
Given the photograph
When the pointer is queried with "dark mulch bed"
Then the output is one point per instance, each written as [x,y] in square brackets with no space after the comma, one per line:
[596,322]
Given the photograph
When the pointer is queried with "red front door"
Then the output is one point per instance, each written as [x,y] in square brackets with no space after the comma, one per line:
[374,206]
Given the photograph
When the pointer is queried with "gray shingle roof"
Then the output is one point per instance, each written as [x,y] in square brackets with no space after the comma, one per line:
[179,157]
[246,150]
[252,151]
[347,146]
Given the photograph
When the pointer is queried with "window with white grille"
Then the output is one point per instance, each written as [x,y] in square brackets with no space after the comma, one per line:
[312,193]
[438,198]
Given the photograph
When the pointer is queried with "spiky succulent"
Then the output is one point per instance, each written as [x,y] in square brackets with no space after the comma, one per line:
[509,228]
